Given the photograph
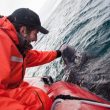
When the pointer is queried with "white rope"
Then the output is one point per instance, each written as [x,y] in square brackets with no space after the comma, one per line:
[95,103]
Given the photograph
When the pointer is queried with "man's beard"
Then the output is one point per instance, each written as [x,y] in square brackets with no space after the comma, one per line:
[24,44]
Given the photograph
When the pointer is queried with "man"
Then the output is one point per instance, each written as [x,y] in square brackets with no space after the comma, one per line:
[17,31]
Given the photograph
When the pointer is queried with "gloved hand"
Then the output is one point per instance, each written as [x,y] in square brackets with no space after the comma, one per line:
[60,51]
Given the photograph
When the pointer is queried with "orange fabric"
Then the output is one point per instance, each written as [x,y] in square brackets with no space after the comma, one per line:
[7,49]
[13,65]
[35,58]
[24,97]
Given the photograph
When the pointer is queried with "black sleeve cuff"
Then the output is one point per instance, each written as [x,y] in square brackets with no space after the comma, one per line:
[58,53]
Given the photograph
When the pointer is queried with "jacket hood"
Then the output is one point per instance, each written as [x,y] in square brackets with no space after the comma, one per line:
[8,27]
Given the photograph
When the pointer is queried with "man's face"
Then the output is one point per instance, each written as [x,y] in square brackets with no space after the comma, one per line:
[29,34]
[32,35]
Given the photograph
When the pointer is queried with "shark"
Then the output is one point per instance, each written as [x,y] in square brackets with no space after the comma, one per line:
[74,62]
[89,72]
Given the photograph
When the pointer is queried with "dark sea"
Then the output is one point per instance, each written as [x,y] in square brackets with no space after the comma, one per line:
[85,26]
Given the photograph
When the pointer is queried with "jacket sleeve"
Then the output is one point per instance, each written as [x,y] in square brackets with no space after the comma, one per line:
[5,69]
[35,58]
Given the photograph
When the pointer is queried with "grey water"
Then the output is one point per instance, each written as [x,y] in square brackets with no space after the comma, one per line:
[85,26]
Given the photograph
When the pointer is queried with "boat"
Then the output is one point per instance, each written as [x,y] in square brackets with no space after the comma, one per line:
[69,91]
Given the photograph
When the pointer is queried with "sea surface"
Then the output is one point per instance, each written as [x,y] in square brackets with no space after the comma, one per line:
[85,26]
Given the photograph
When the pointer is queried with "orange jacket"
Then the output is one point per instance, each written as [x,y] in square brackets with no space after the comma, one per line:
[12,63]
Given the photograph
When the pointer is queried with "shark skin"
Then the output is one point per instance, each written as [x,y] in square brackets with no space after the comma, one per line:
[74,62]
[84,70]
